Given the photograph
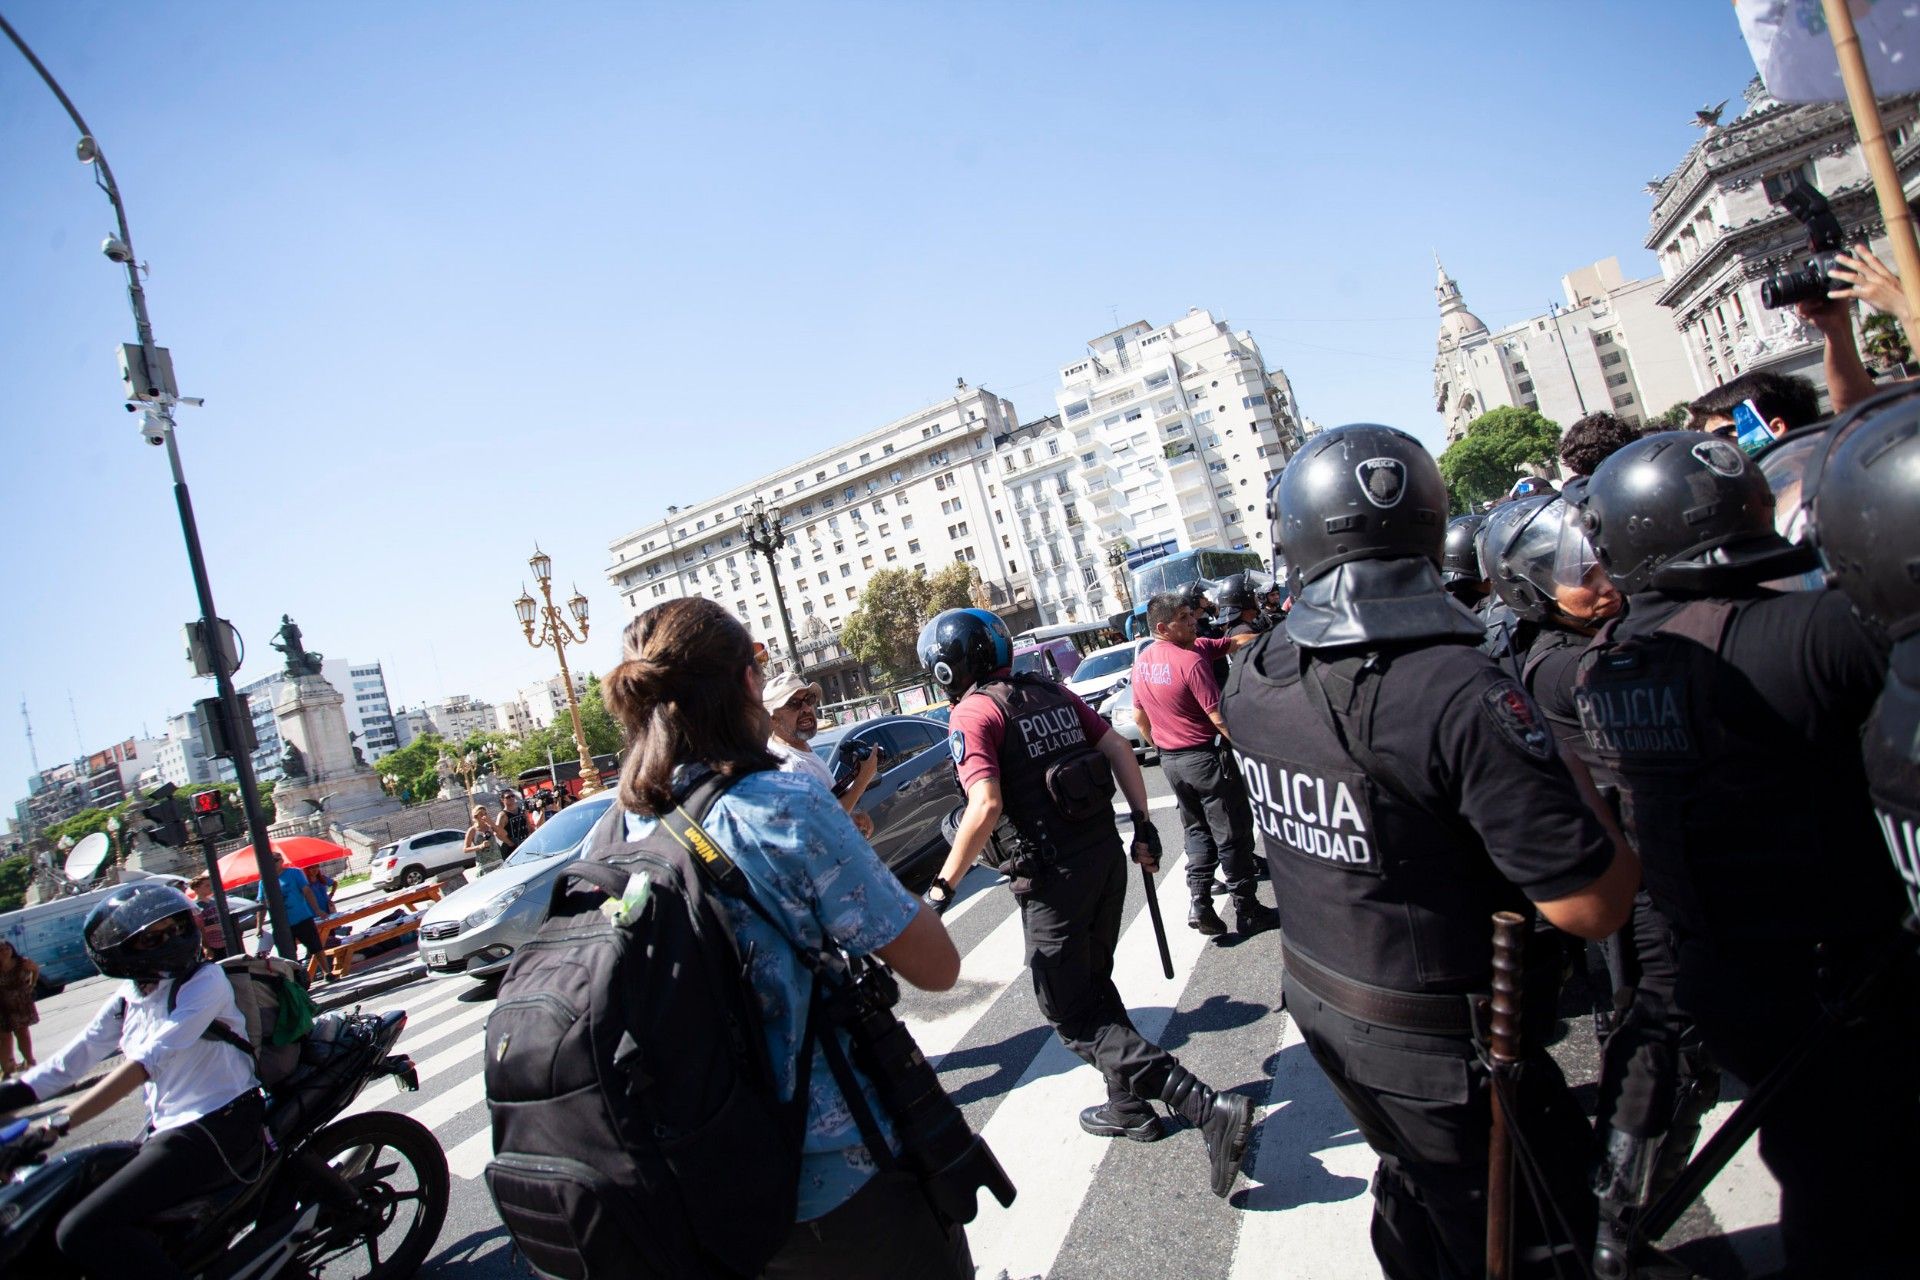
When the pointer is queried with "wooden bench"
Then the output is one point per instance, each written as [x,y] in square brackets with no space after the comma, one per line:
[339,959]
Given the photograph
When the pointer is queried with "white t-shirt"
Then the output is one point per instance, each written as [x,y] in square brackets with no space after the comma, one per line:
[188,1076]
[801,760]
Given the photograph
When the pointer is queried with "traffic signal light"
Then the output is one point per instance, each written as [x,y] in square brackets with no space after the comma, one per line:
[163,812]
[224,738]
[209,814]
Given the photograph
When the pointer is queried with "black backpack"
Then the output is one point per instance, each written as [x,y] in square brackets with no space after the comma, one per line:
[637,1127]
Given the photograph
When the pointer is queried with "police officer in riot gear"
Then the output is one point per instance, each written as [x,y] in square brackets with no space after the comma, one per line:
[1730,716]
[1239,599]
[1406,789]
[1867,528]
[1028,747]
[1460,562]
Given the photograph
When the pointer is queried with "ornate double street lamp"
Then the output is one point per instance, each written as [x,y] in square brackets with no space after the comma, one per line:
[552,629]
[766,532]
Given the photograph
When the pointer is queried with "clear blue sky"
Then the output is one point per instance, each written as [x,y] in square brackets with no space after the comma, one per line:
[454,277]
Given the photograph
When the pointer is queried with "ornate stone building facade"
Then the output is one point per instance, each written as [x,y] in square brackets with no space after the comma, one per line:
[1718,236]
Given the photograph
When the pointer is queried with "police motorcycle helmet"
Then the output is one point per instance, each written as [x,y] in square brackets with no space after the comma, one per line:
[1685,511]
[1459,561]
[144,931]
[961,647]
[1359,518]
[1543,567]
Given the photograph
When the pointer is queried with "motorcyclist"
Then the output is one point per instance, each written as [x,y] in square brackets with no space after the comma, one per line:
[175,1022]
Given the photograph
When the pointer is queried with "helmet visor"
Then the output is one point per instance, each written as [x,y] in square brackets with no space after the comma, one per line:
[1786,469]
[1573,555]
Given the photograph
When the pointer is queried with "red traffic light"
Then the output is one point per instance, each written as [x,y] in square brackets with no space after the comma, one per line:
[206,801]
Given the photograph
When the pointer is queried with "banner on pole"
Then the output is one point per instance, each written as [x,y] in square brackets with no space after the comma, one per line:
[1794,52]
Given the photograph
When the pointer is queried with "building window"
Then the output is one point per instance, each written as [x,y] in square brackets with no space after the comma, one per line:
[1610,359]
[913,546]
[866,562]
[892,555]
[906,522]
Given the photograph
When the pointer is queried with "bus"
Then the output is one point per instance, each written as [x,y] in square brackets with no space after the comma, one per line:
[1176,569]
[1056,651]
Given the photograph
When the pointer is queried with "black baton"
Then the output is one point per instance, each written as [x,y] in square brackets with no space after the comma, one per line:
[1159,925]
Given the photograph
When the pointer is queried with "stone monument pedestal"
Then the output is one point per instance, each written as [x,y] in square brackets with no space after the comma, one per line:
[323,776]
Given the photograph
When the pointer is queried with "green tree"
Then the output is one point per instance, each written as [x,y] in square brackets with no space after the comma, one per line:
[412,772]
[15,875]
[1674,419]
[893,607]
[1483,464]
[603,734]
[1886,342]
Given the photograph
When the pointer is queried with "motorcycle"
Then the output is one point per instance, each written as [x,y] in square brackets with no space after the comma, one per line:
[360,1196]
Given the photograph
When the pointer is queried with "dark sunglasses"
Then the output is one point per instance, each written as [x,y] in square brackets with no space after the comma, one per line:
[800,701]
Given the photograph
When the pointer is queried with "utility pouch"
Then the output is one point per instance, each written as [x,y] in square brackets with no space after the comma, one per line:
[1081,785]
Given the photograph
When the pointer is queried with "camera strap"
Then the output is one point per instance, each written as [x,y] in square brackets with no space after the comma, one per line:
[863,1117]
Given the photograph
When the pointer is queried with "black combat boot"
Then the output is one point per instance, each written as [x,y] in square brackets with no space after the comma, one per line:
[1204,918]
[1223,1119]
[1251,916]
[1123,1117]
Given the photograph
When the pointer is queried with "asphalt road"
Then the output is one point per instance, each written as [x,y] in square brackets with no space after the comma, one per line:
[1086,1207]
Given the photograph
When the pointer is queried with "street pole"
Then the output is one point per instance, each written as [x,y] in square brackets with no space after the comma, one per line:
[767,534]
[160,420]
[554,630]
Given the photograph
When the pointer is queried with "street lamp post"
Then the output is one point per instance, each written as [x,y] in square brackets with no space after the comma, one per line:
[554,630]
[155,398]
[1117,558]
[766,532]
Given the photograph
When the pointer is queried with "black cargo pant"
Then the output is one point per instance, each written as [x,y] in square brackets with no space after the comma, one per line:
[1216,818]
[105,1234]
[1071,915]
[1841,1139]
[887,1230]
[1422,1104]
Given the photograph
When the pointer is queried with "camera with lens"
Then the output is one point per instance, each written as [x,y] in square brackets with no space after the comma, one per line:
[951,1161]
[1807,279]
[857,752]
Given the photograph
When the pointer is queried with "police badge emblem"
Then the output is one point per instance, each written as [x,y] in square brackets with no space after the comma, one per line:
[957,747]
[1518,720]
[1382,480]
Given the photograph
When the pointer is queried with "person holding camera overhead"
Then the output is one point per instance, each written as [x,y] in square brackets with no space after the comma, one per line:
[693,703]
[791,703]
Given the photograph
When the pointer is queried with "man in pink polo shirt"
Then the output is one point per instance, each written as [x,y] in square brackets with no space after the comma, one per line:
[1176,703]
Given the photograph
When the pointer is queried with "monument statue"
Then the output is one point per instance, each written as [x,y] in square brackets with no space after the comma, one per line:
[292,763]
[359,758]
[300,660]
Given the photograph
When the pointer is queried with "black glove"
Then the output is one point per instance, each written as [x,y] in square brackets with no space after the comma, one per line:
[939,896]
[15,1095]
[1145,846]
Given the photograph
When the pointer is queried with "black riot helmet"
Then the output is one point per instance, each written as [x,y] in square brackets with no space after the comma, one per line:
[1867,516]
[144,931]
[1237,591]
[1685,511]
[1458,562]
[961,647]
[1358,492]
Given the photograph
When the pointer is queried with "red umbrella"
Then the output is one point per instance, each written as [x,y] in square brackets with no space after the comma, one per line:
[238,868]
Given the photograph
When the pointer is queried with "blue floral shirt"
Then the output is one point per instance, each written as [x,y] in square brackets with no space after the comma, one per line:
[810,869]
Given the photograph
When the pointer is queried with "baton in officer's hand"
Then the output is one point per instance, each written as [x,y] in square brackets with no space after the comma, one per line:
[1146,834]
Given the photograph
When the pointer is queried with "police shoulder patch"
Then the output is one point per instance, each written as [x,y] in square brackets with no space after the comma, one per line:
[1518,719]
[957,747]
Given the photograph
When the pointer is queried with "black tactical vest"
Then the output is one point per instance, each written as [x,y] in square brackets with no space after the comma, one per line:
[1739,839]
[1043,730]
[1894,782]
[1372,886]
[1550,641]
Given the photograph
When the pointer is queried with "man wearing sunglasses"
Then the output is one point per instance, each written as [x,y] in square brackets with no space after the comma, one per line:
[793,704]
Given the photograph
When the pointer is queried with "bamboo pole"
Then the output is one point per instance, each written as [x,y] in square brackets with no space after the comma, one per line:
[1873,144]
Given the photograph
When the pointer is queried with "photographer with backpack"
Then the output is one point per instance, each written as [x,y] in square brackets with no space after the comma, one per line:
[730,1155]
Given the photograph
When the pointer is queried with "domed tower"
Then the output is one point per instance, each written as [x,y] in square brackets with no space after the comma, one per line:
[1453,394]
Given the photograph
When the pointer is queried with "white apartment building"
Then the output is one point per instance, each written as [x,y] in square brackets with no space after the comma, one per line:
[1718,236]
[1612,348]
[181,756]
[1165,435]
[922,491]
[511,718]
[545,701]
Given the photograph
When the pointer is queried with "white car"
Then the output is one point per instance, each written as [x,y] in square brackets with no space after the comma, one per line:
[407,862]
[1102,673]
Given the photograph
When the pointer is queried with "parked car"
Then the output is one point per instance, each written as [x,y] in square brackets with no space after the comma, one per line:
[1102,672]
[914,790]
[1118,711]
[476,929]
[407,862]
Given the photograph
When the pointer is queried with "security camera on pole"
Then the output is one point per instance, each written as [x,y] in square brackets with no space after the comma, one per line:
[147,370]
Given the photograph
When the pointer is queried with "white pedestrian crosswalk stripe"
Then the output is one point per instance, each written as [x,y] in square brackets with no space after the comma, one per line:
[1302,1207]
